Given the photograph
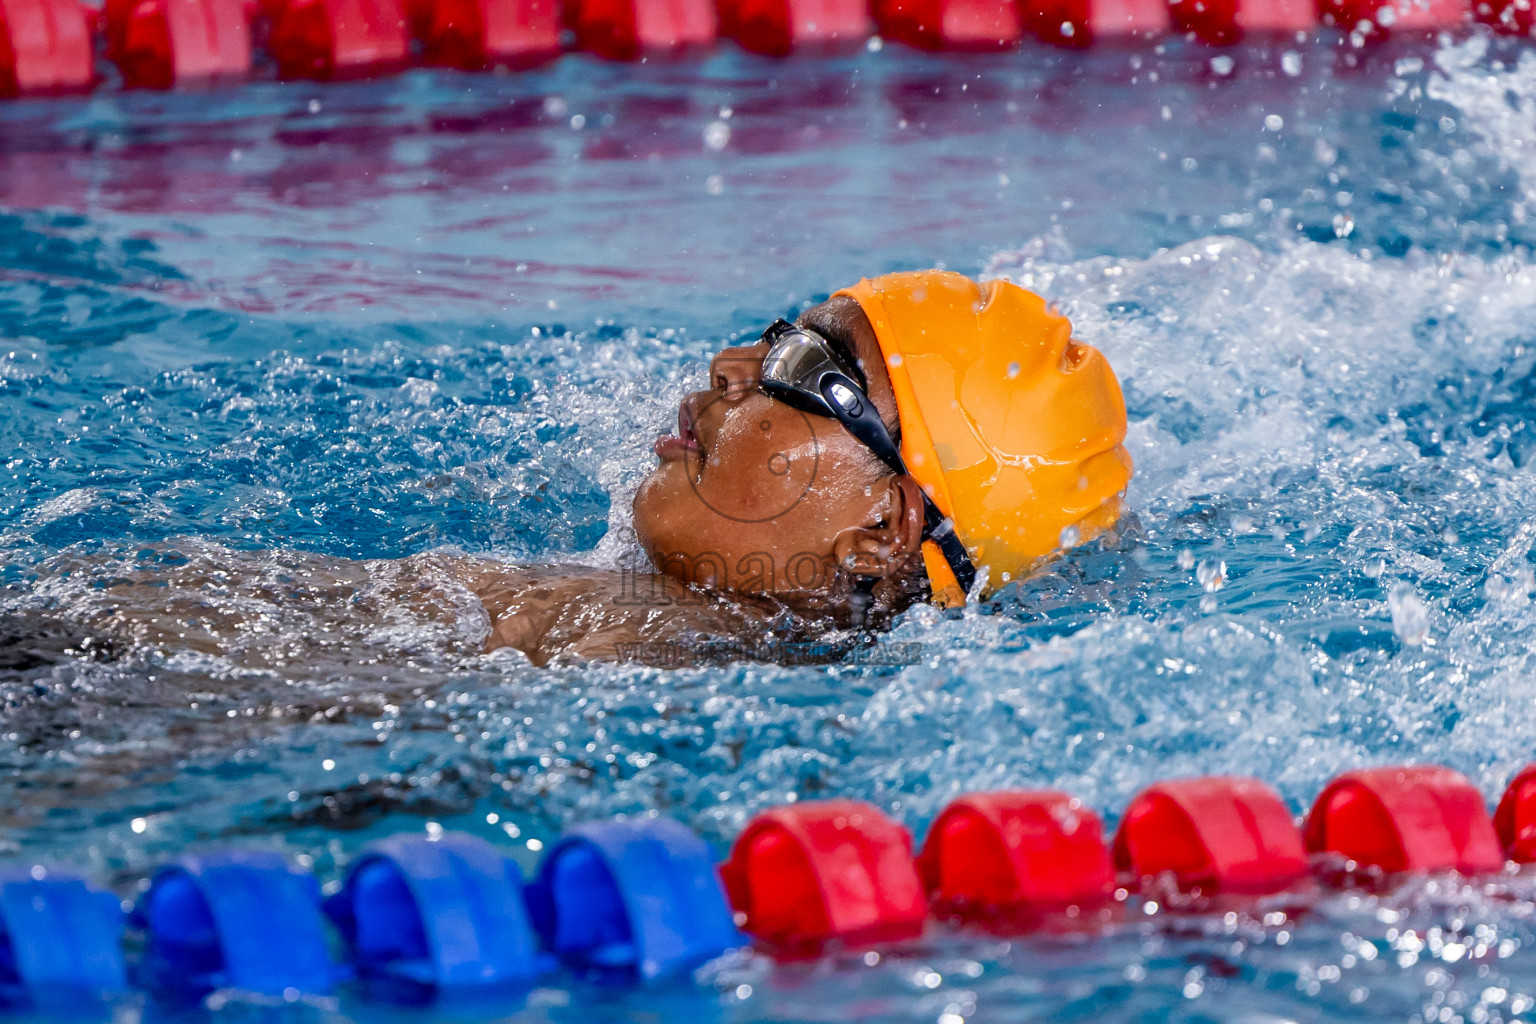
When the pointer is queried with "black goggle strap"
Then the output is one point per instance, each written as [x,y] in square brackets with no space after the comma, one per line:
[948,540]
[858,415]
[777,330]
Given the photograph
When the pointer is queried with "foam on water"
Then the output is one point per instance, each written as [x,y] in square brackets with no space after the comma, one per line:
[1498,103]
[1328,564]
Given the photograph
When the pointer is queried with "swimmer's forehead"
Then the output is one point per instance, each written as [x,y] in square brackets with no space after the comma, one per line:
[839,320]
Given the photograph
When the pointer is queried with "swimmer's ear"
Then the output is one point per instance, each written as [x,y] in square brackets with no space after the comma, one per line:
[894,534]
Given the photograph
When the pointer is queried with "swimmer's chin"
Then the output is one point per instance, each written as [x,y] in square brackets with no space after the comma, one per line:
[665,507]
[650,498]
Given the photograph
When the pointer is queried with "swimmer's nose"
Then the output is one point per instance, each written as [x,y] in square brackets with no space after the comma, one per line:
[735,372]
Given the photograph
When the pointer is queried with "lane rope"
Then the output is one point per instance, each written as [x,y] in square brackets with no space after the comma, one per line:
[642,899]
[49,46]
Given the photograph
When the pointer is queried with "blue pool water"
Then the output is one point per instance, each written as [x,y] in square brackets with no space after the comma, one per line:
[449,312]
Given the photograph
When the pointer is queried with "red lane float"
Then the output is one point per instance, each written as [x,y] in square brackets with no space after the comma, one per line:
[1213,834]
[826,869]
[1515,819]
[45,47]
[1372,17]
[160,43]
[1417,818]
[950,24]
[778,26]
[627,29]
[1017,850]
[477,34]
[1222,22]
[337,38]
[1079,23]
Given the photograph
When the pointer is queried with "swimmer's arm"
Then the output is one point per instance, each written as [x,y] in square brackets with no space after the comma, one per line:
[521,606]
[572,613]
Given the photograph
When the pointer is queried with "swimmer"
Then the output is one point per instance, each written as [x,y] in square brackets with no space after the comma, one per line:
[916,437]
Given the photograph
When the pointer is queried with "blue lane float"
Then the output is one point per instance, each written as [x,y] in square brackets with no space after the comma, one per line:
[638,897]
[445,913]
[240,919]
[59,939]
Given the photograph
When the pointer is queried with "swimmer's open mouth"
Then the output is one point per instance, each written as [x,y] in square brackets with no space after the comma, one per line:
[670,447]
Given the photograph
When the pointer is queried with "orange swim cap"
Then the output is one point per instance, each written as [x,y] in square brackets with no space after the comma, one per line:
[1013,429]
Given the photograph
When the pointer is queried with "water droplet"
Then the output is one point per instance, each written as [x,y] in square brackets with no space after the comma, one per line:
[1212,574]
[717,135]
[1410,618]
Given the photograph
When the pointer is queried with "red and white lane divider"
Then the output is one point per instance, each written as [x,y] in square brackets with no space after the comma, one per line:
[473,35]
[48,46]
[338,38]
[160,43]
[778,27]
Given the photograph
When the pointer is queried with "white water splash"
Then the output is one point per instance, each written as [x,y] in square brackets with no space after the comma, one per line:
[1496,102]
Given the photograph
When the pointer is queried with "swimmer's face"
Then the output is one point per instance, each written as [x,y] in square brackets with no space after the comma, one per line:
[754,496]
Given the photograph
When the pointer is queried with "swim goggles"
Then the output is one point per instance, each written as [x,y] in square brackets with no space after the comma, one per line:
[808,371]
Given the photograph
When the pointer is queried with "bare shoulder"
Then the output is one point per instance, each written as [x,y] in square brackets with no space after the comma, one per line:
[580,613]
